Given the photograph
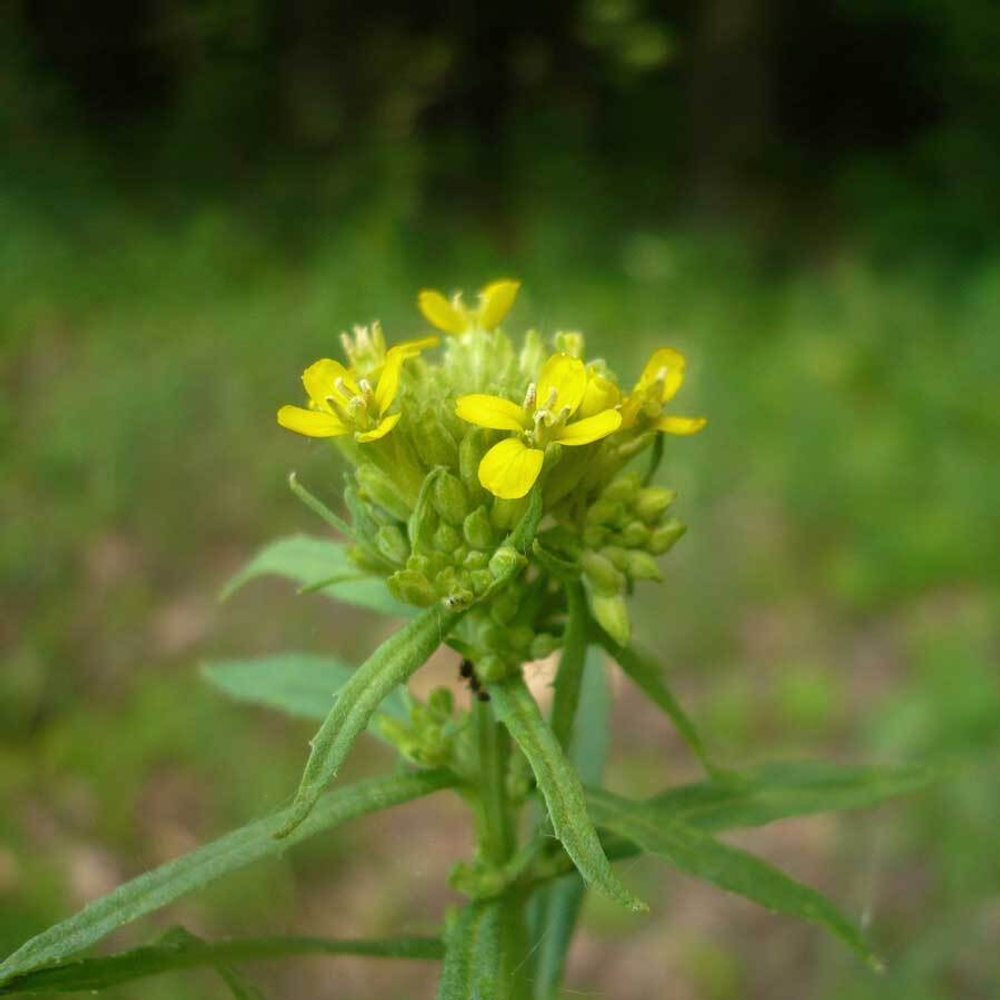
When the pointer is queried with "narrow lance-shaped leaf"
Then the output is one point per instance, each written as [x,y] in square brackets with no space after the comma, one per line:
[555,907]
[473,959]
[302,684]
[161,886]
[695,852]
[649,678]
[179,950]
[788,788]
[239,985]
[392,664]
[560,787]
[308,561]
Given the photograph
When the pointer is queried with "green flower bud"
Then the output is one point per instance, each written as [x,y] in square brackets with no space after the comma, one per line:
[653,501]
[519,638]
[441,702]
[601,572]
[505,560]
[604,512]
[666,536]
[475,559]
[635,535]
[447,539]
[364,557]
[503,608]
[617,555]
[434,442]
[594,536]
[392,543]
[506,513]
[623,489]
[470,454]
[423,524]
[642,566]
[449,498]
[478,531]
[612,615]
[491,668]
[411,588]
[383,491]
[419,564]
[490,634]
[481,581]
[543,645]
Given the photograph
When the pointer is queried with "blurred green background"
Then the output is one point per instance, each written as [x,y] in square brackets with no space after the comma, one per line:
[196,197]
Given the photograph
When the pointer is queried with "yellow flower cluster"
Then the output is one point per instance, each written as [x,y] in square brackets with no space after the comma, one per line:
[570,403]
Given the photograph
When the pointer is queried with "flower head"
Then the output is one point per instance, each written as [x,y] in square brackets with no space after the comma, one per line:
[659,382]
[495,301]
[341,403]
[509,469]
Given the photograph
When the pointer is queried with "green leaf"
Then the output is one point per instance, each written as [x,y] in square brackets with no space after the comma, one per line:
[302,684]
[179,950]
[391,665]
[646,674]
[157,888]
[693,851]
[473,959]
[560,787]
[778,790]
[555,907]
[239,986]
[307,561]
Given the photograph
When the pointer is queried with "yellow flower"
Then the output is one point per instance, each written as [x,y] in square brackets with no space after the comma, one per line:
[509,469]
[659,382]
[495,301]
[342,404]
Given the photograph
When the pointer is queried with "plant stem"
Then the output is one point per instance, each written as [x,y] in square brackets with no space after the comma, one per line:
[497,843]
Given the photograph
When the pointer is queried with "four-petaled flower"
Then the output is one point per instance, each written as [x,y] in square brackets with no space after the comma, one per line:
[495,301]
[509,469]
[340,403]
[659,382]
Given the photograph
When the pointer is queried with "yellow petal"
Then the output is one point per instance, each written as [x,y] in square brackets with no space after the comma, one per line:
[592,429]
[411,348]
[386,425]
[440,312]
[681,425]
[495,301]
[388,381]
[670,360]
[320,380]
[509,469]
[601,394]
[568,376]
[312,423]
[492,411]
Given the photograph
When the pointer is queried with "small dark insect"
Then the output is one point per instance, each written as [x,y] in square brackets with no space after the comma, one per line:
[467,671]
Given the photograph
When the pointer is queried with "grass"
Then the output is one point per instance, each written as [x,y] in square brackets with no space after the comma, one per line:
[837,593]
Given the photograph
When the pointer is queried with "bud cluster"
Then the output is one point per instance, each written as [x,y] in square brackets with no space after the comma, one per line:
[428,737]
[625,529]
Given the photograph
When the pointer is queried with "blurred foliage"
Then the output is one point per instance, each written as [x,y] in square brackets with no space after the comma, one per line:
[196,198]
